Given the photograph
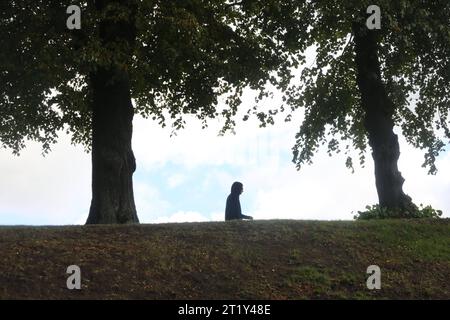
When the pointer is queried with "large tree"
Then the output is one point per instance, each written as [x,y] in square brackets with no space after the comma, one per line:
[158,58]
[365,82]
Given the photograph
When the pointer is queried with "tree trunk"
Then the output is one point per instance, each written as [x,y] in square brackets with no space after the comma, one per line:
[378,121]
[113,162]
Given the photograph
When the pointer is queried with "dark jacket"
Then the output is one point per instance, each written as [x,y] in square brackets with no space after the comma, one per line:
[233,207]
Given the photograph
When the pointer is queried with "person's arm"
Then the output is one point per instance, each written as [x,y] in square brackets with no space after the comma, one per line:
[243,216]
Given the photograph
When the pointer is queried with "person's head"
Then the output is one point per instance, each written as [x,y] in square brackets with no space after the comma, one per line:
[237,188]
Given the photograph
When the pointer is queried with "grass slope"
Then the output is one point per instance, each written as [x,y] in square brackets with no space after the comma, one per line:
[276,259]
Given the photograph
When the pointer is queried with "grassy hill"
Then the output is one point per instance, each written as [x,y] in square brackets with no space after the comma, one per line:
[278,259]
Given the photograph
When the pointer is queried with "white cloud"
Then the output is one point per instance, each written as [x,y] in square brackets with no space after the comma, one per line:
[54,189]
[150,204]
[424,188]
[217,177]
[325,190]
[176,180]
[194,146]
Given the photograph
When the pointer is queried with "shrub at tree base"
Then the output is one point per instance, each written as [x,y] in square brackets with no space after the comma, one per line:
[378,212]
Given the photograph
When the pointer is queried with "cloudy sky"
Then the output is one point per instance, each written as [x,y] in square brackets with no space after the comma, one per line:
[188,177]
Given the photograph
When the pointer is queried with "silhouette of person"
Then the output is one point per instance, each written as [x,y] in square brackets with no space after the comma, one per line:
[233,207]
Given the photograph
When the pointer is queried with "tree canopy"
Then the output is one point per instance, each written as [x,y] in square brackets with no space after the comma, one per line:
[413,49]
[186,54]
